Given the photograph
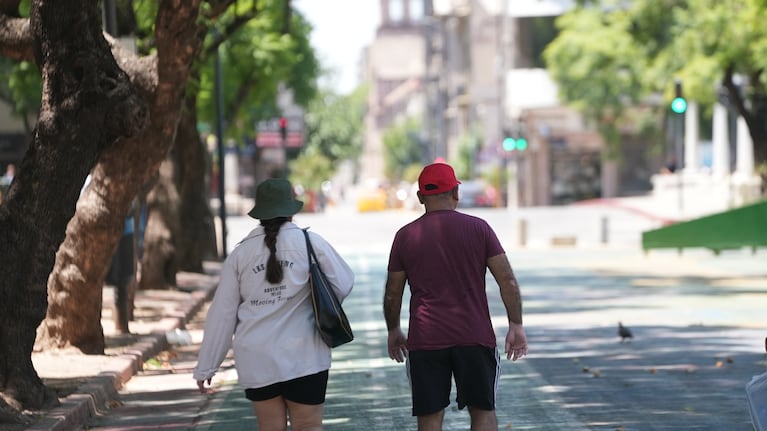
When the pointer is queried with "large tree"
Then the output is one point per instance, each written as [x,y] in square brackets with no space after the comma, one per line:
[75,285]
[87,106]
[612,55]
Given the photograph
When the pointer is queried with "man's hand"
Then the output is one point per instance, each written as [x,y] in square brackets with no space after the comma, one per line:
[516,342]
[397,345]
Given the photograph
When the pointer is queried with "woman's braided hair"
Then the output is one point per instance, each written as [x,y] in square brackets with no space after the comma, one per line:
[272,228]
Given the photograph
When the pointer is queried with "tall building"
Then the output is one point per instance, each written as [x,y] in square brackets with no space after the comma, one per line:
[395,64]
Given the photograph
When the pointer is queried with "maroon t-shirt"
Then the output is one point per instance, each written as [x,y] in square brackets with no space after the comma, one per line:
[444,256]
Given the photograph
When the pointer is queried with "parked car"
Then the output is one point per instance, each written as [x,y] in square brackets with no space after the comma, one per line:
[475,193]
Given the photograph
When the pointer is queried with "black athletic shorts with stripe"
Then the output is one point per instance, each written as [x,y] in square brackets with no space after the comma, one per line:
[476,370]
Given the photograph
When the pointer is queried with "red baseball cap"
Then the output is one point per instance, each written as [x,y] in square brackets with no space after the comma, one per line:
[437,178]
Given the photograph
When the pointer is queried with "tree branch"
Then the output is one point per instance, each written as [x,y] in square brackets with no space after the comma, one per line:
[229,29]
[16,41]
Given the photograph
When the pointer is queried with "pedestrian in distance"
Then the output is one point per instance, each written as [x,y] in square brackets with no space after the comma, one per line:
[7,178]
[443,256]
[10,172]
[263,300]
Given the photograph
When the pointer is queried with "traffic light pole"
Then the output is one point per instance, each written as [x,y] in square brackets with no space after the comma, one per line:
[679,142]
[679,108]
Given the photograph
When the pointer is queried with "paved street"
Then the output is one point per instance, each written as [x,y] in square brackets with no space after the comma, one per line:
[697,320]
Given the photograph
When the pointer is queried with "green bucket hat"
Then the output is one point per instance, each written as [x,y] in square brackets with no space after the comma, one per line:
[274,198]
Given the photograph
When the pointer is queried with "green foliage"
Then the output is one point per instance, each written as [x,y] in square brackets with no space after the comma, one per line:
[256,59]
[335,125]
[402,148]
[612,55]
[464,163]
[20,86]
[596,62]
[333,132]
[137,17]
[411,172]
[310,169]
[26,87]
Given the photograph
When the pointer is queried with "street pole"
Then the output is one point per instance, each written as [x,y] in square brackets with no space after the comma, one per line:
[110,17]
[221,152]
[512,186]
[679,158]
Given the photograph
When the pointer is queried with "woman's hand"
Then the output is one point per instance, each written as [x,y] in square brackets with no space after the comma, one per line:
[201,386]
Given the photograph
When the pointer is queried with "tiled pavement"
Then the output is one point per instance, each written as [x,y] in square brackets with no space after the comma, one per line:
[672,376]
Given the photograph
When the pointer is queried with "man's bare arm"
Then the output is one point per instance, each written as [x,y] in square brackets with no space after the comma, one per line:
[392,305]
[515,345]
[512,299]
[392,301]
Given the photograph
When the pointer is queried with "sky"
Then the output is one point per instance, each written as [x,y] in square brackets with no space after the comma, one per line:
[342,28]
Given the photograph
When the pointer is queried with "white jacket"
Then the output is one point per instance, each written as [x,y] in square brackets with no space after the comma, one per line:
[273,324]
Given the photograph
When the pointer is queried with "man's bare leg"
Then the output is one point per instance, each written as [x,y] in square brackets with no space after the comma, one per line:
[432,422]
[483,420]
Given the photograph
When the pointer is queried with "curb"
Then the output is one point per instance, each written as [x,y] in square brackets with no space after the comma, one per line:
[100,391]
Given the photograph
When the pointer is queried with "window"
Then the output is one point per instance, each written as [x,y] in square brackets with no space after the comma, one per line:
[416,10]
[396,10]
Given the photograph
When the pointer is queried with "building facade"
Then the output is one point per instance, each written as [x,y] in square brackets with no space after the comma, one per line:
[471,70]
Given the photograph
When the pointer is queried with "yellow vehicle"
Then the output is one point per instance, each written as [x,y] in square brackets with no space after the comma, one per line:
[371,199]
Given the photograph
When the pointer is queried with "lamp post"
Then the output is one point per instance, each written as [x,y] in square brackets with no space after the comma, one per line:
[220,140]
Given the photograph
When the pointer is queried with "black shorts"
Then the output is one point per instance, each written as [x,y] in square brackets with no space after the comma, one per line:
[303,390]
[476,370]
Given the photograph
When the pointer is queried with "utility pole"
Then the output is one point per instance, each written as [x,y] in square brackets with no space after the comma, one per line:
[430,137]
[510,163]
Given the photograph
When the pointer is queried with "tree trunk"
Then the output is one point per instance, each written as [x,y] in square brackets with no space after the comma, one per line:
[158,262]
[87,105]
[79,275]
[180,234]
[198,240]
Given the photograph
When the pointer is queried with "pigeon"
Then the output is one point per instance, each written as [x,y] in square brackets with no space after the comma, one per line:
[624,332]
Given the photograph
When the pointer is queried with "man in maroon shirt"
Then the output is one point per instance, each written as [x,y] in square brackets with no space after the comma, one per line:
[443,255]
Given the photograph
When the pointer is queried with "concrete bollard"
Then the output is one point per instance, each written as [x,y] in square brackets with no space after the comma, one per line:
[522,232]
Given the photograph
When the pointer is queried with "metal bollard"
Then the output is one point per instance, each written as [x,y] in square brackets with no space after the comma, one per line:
[605,229]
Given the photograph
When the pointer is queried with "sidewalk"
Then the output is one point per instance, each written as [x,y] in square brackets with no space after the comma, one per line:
[89,384]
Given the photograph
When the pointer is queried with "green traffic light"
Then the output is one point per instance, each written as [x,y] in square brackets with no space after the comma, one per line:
[521,144]
[509,144]
[679,105]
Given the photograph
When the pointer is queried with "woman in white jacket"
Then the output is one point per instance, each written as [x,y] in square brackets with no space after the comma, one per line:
[263,301]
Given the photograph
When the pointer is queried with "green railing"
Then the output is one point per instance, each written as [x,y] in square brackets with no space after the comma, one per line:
[741,227]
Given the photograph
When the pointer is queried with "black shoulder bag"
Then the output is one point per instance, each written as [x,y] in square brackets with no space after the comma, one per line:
[330,319]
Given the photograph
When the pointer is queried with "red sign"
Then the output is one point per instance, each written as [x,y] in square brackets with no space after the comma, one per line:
[273,140]
[269,132]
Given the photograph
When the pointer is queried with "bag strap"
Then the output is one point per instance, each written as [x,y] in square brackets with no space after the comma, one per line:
[309,249]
